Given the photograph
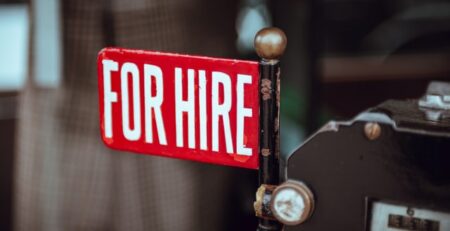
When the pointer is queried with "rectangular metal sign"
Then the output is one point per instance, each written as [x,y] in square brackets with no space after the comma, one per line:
[180,106]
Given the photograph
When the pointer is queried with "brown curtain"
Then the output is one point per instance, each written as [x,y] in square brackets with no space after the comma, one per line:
[65,178]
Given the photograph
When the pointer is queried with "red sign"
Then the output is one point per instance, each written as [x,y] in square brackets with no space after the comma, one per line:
[180,106]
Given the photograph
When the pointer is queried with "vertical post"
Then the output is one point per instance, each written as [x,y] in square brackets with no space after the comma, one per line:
[270,44]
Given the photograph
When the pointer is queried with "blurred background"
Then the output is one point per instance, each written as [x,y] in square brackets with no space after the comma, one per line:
[343,56]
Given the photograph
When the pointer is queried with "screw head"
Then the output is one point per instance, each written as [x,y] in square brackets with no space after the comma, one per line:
[292,203]
[372,130]
[270,43]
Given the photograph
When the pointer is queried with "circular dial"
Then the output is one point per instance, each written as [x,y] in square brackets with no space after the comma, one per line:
[292,203]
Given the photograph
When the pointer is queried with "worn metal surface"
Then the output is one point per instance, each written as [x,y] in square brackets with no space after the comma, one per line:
[270,44]
[269,133]
[407,165]
[263,199]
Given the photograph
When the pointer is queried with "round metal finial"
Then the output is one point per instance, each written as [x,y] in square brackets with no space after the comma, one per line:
[270,43]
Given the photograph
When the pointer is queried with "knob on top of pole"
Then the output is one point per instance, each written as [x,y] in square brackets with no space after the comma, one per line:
[270,43]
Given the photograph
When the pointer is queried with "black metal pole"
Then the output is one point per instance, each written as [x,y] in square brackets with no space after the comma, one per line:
[269,122]
[270,44]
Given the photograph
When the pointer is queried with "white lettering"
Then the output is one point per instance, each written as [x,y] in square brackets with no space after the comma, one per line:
[135,133]
[109,96]
[203,115]
[153,102]
[242,112]
[221,110]
[185,106]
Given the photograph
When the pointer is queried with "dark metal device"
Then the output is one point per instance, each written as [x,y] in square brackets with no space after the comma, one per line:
[387,169]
